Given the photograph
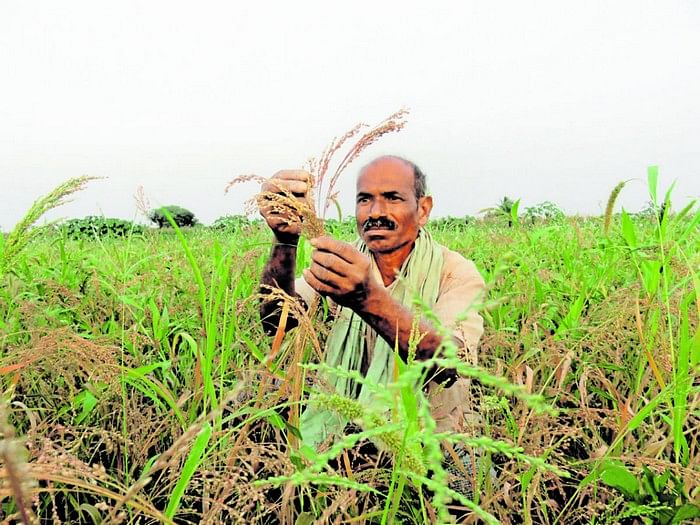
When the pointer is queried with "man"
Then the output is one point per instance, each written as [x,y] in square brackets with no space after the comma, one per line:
[375,314]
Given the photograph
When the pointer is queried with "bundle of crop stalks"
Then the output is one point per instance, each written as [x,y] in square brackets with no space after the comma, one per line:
[305,212]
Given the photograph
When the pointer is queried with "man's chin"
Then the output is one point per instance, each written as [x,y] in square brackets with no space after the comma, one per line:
[378,244]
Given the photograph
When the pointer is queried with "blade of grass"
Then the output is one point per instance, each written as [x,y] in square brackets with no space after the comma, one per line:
[188,470]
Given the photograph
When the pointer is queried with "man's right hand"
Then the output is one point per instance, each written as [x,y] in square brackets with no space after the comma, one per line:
[284,220]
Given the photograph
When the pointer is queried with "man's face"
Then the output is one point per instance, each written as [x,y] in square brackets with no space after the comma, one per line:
[387,212]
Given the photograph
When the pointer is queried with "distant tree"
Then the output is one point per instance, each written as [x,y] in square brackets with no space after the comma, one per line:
[231,222]
[181,216]
[506,205]
[506,208]
[93,226]
[544,211]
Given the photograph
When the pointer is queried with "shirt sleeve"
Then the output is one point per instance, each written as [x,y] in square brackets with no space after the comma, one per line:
[304,290]
[462,292]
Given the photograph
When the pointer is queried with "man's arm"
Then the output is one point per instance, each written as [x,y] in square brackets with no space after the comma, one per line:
[394,323]
[286,229]
[344,274]
[278,273]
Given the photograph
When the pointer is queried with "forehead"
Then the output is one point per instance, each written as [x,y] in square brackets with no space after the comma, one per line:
[384,175]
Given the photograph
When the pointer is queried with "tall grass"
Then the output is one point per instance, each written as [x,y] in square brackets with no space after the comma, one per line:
[138,380]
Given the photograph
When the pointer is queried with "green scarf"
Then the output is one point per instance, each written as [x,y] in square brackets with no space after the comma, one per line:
[349,337]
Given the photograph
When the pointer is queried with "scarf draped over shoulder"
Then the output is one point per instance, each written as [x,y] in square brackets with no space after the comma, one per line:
[352,343]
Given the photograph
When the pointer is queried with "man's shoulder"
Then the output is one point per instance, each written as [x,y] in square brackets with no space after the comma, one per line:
[458,270]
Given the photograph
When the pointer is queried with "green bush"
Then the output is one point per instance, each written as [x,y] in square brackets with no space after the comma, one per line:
[544,211]
[231,222]
[181,216]
[94,226]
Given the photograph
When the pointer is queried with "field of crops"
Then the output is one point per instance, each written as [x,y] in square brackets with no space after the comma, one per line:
[138,386]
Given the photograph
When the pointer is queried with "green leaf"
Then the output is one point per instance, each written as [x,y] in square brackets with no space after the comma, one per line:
[652,182]
[514,212]
[275,420]
[685,513]
[628,230]
[90,510]
[294,431]
[682,388]
[651,275]
[191,464]
[309,453]
[617,476]
[2,252]
[690,228]
[647,409]
[305,518]
[149,464]
[88,402]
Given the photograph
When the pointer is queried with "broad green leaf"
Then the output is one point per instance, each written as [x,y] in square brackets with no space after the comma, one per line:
[651,275]
[87,401]
[685,513]
[188,470]
[305,518]
[628,232]
[144,370]
[617,476]
[514,212]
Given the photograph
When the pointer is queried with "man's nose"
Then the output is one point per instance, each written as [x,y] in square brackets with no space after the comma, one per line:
[376,209]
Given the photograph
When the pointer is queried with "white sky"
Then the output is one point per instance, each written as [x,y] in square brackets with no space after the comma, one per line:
[539,100]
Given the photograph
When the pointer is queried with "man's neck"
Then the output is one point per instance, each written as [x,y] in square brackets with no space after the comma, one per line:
[390,263]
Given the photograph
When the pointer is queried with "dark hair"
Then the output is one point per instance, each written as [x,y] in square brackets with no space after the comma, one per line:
[421,186]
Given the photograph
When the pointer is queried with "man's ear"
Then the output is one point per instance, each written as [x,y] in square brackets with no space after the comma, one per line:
[425,206]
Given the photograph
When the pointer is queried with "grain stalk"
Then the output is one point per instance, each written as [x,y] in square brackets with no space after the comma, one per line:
[611,205]
[305,213]
[17,476]
[23,234]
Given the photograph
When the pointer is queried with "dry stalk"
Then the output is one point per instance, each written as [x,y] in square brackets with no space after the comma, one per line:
[319,170]
[304,213]
[170,458]
[143,205]
[16,473]
[63,354]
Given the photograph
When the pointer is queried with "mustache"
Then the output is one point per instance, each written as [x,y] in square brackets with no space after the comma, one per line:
[381,222]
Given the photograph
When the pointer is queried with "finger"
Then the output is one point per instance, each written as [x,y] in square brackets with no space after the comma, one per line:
[300,175]
[331,262]
[326,276]
[296,188]
[341,249]
[281,225]
[276,222]
[317,285]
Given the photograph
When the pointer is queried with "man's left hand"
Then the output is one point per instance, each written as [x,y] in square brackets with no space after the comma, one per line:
[338,270]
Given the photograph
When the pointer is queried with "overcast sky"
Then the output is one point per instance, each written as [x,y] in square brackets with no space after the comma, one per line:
[539,100]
